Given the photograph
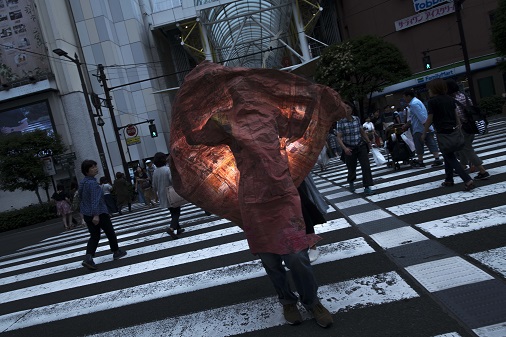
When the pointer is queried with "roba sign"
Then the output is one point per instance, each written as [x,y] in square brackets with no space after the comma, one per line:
[421,5]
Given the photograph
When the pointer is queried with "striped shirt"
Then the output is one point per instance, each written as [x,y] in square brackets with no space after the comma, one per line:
[92,197]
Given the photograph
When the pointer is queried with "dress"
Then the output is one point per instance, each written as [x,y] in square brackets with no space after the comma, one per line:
[62,203]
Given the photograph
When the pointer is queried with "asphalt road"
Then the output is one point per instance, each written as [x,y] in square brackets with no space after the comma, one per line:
[415,259]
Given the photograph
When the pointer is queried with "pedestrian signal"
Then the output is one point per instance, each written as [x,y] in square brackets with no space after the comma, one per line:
[152,130]
[426,62]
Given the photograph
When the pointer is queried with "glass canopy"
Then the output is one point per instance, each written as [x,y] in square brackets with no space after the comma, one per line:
[249,33]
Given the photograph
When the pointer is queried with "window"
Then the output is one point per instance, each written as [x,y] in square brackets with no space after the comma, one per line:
[486,86]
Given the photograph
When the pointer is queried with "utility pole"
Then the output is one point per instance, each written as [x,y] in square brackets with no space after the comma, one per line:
[458,7]
[108,101]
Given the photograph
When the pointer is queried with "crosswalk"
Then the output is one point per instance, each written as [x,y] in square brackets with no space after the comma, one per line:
[415,259]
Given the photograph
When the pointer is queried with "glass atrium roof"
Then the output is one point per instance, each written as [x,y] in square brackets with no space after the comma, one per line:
[249,33]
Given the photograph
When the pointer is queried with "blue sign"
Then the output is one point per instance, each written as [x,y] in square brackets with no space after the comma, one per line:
[421,5]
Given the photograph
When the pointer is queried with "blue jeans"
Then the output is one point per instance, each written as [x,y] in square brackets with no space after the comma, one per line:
[302,274]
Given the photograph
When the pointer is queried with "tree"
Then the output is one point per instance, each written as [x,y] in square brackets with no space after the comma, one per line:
[499,30]
[358,67]
[20,160]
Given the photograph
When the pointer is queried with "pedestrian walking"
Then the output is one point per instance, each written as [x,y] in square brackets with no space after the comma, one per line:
[356,144]
[442,113]
[75,203]
[63,208]
[96,215]
[162,179]
[467,155]
[109,198]
[143,187]
[122,190]
[418,116]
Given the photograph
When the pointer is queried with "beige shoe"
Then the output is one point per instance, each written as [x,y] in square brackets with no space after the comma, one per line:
[322,315]
[292,314]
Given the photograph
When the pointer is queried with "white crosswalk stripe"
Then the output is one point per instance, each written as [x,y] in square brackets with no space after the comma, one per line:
[44,286]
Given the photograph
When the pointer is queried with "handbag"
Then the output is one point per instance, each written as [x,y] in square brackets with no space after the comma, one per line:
[477,123]
[175,200]
[450,142]
[378,157]
[146,184]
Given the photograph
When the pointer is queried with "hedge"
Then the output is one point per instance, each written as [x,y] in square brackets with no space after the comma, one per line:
[27,216]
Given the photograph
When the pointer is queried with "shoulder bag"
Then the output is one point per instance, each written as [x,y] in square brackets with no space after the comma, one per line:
[450,142]
[175,200]
[476,120]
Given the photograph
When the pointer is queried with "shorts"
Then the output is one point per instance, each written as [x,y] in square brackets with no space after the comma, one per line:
[430,141]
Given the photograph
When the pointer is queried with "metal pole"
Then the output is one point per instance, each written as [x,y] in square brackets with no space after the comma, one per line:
[108,101]
[458,5]
[90,112]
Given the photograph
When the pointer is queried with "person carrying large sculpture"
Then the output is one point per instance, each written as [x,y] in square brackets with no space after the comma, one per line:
[275,137]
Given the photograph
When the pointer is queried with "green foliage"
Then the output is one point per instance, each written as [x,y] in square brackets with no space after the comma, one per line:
[20,164]
[27,216]
[360,66]
[492,105]
[499,30]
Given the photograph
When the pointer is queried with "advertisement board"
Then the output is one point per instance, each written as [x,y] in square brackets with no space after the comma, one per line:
[35,116]
[22,50]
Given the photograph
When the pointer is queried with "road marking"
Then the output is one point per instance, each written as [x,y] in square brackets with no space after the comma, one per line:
[464,223]
[266,313]
[141,267]
[159,289]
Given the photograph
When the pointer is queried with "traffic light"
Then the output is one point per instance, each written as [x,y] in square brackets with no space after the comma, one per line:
[152,130]
[426,62]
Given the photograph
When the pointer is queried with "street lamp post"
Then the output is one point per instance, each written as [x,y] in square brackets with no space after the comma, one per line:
[98,142]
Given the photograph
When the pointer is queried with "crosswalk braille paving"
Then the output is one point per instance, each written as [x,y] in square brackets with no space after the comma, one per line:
[415,259]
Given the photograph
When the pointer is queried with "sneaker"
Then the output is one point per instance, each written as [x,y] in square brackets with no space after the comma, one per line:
[417,164]
[313,254]
[437,162]
[322,315]
[180,231]
[368,191]
[482,176]
[352,186]
[89,263]
[292,314]
[119,254]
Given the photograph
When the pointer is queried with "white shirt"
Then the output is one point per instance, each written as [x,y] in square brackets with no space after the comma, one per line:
[368,126]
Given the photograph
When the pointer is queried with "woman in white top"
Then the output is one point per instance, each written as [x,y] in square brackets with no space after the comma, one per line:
[369,128]
[162,178]
[108,197]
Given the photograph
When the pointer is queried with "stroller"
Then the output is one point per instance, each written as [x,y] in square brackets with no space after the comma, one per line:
[396,147]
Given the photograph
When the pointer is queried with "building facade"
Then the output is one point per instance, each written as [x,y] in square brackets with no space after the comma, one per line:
[100,72]
[426,28]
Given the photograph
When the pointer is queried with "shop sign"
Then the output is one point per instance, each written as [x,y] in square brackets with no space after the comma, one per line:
[422,17]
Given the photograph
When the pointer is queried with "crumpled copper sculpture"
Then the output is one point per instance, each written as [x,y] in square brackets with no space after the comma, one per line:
[242,139]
